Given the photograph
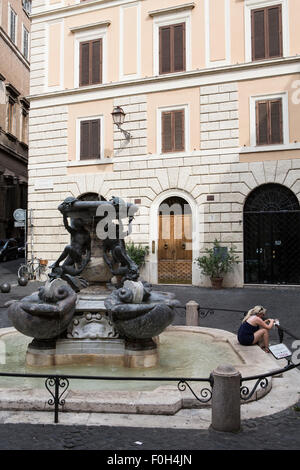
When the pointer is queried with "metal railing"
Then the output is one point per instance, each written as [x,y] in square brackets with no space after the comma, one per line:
[262,380]
[58,384]
[204,312]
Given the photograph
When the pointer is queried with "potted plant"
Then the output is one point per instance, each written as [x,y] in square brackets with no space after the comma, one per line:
[137,253]
[217,261]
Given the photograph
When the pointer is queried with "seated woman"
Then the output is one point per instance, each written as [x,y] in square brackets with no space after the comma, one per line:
[254,329]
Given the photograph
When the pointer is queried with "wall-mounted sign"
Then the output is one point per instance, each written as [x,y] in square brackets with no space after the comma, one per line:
[43,184]
[19,215]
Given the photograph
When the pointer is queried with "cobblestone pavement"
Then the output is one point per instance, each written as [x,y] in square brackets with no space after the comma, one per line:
[280,431]
[277,432]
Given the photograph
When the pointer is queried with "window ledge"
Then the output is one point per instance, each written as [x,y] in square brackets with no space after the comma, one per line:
[173,154]
[102,161]
[175,9]
[101,24]
[270,148]
[11,136]
[24,145]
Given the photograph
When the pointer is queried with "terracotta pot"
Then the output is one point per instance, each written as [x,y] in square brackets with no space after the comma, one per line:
[216,282]
[43,262]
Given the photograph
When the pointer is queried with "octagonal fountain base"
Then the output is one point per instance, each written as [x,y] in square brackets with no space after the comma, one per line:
[92,340]
[183,353]
[105,352]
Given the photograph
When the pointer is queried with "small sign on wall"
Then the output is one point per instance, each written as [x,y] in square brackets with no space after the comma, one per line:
[43,184]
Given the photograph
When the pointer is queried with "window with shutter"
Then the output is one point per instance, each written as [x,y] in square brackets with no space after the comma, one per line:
[24,128]
[90,62]
[269,122]
[172,48]
[25,42]
[12,25]
[10,115]
[172,128]
[90,139]
[266,32]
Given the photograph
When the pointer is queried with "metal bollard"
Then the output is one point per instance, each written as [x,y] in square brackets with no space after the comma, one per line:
[192,313]
[226,402]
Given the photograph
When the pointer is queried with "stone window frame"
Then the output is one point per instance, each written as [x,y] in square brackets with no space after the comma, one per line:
[12,95]
[24,31]
[89,34]
[285,119]
[186,108]
[171,18]
[78,139]
[10,11]
[24,115]
[256,4]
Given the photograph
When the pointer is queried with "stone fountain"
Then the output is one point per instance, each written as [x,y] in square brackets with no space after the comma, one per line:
[93,309]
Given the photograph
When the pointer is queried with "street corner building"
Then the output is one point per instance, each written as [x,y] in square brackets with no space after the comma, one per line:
[14,111]
[193,105]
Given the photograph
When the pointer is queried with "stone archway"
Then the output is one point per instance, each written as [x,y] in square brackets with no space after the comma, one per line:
[272,236]
[175,241]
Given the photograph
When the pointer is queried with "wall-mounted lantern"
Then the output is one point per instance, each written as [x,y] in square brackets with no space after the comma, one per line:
[118,118]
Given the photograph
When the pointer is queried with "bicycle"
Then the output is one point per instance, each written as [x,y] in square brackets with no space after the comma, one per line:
[31,270]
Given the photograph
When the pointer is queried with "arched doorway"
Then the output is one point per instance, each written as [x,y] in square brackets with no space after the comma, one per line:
[272,236]
[175,249]
[91,197]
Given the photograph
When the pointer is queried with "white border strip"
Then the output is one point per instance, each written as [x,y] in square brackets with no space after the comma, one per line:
[157,84]
[227,60]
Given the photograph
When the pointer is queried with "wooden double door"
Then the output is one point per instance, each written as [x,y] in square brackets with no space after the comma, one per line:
[175,249]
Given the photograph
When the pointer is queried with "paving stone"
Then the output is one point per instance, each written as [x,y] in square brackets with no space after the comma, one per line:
[279,431]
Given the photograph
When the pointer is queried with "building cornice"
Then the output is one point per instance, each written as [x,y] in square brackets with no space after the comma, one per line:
[77,8]
[13,153]
[174,9]
[181,80]
[100,24]
[14,48]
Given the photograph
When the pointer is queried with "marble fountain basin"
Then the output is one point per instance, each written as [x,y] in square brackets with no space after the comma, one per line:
[192,352]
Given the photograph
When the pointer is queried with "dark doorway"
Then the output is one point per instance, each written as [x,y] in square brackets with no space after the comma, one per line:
[272,236]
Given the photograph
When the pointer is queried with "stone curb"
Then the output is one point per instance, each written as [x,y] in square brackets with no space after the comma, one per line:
[165,400]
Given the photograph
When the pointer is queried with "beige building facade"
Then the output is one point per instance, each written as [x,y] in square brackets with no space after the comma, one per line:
[14,111]
[211,92]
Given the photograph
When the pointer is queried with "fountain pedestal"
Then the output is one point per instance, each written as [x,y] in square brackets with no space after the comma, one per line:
[92,339]
[75,318]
